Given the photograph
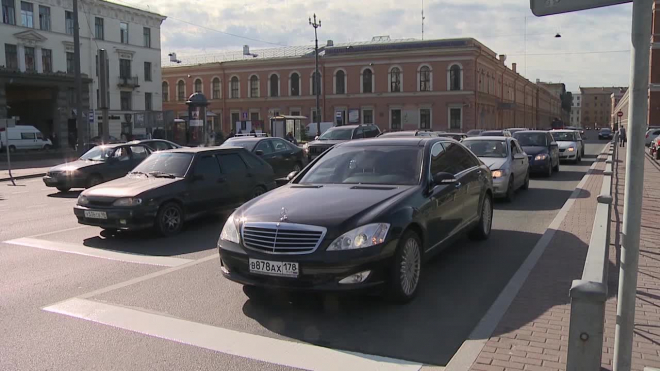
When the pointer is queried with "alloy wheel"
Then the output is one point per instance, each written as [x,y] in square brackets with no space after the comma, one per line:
[410,266]
[487,216]
[171,219]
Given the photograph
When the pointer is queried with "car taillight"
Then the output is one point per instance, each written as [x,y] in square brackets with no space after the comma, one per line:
[647,135]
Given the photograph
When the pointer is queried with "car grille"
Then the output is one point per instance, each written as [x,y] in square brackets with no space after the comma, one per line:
[282,238]
[54,173]
[104,202]
[317,150]
[562,150]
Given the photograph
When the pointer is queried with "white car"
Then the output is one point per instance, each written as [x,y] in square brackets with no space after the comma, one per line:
[23,137]
[650,135]
[571,145]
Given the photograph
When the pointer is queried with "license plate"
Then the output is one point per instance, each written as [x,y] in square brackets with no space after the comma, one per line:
[271,268]
[96,214]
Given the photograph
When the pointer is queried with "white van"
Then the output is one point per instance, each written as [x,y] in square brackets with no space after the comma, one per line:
[311,129]
[23,137]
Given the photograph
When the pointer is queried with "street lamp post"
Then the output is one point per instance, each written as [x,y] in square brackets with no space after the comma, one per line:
[316,72]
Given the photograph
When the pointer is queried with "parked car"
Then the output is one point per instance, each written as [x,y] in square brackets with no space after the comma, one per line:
[650,135]
[339,134]
[382,207]
[605,133]
[571,145]
[654,148]
[98,140]
[23,137]
[506,160]
[283,156]
[408,133]
[311,129]
[172,187]
[474,133]
[515,130]
[157,144]
[454,136]
[541,149]
[495,133]
[99,164]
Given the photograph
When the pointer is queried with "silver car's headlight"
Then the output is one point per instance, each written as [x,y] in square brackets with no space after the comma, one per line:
[229,231]
[358,238]
[571,149]
[82,200]
[128,201]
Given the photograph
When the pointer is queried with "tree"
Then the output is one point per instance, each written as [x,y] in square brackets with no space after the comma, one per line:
[566,101]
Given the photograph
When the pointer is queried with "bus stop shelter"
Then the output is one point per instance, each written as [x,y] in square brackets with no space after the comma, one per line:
[283,124]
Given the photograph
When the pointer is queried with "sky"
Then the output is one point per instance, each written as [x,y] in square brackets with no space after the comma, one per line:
[594,48]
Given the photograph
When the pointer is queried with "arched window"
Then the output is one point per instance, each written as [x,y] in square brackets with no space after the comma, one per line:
[234,87]
[274,85]
[295,85]
[395,80]
[181,90]
[254,86]
[166,91]
[215,88]
[455,77]
[316,81]
[367,81]
[198,85]
[340,83]
[425,79]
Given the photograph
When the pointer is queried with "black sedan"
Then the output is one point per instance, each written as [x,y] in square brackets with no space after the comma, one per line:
[174,186]
[605,133]
[541,149]
[283,156]
[98,165]
[380,208]
[157,144]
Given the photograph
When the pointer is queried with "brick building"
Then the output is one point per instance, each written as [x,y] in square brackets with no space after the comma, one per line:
[456,85]
[597,105]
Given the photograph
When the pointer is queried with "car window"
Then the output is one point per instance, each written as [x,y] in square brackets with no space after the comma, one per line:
[519,150]
[27,136]
[550,138]
[139,152]
[438,161]
[657,132]
[173,163]
[40,136]
[372,132]
[121,154]
[232,163]
[487,148]
[358,133]
[514,149]
[207,166]
[264,146]
[279,145]
[458,159]
[160,146]
[252,160]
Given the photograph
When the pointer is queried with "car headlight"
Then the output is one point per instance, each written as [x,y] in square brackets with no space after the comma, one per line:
[229,231]
[306,148]
[541,157]
[358,238]
[498,174]
[69,169]
[128,201]
[82,200]
[571,149]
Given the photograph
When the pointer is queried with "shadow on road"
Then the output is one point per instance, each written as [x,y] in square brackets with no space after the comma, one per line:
[536,199]
[565,175]
[68,194]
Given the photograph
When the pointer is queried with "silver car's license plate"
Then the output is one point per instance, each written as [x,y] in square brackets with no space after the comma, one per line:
[96,214]
[271,268]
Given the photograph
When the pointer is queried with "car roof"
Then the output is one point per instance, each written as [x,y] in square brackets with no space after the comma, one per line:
[250,139]
[347,126]
[114,145]
[565,131]
[203,149]
[532,131]
[395,141]
[488,137]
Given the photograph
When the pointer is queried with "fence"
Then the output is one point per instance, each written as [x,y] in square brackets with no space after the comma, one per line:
[589,294]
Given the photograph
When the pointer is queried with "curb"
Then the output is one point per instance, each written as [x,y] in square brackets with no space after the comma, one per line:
[37,175]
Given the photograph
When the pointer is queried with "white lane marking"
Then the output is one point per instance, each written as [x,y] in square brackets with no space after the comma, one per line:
[471,348]
[99,253]
[257,347]
[60,231]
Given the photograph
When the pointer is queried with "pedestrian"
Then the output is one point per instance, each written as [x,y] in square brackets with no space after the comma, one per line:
[253,133]
[231,134]
[291,138]
[622,136]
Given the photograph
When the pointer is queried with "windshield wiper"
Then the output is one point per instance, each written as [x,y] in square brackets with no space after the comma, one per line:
[160,174]
[138,173]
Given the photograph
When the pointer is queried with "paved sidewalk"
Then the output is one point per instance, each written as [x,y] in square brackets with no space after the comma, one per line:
[28,169]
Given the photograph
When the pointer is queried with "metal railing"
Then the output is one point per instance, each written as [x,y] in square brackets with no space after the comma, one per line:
[589,294]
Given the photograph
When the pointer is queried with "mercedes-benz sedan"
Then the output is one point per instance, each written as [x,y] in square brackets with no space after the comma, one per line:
[377,209]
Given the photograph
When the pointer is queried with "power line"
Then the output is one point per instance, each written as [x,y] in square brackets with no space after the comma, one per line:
[577,53]
[82,2]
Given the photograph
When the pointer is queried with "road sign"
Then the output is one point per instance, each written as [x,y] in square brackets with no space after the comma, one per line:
[620,114]
[245,115]
[548,7]
[91,117]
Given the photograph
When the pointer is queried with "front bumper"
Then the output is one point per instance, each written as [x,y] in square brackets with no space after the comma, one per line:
[539,166]
[319,271]
[118,218]
[501,186]
[568,155]
[64,181]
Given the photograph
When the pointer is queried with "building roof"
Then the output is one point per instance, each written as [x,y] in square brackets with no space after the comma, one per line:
[601,90]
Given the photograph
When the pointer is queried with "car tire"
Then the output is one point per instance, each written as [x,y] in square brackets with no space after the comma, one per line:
[481,231]
[169,220]
[94,180]
[257,191]
[525,185]
[63,189]
[510,190]
[12,149]
[406,270]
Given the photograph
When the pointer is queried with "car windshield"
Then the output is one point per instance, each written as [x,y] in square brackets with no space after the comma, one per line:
[564,137]
[387,165]
[487,148]
[98,153]
[473,132]
[247,144]
[492,133]
[605,130]
[400,134]
[337,134]
[532,139]
[172,163]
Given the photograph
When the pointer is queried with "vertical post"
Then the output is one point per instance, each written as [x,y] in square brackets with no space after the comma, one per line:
[78,79]
[632,213]
[103,94]
[11,177]
[317,79]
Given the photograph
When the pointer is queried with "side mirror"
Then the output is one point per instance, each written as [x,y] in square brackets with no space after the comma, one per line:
[518,156]
[291,175]
[259,152]
[554,144]
[197,177]
[443,178]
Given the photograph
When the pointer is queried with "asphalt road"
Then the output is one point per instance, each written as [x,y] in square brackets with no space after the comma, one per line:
[146,302]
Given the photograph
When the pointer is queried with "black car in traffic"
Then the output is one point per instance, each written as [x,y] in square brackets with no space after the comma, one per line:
[171,187]
[378,209]
[605,133]
[283,156]
[339,134]
[541,149]
[99,164]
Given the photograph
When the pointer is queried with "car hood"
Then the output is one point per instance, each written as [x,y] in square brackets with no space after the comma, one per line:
[76,165]
[533,150]
[494,163]
[564,145]
[129,186]
[330,206]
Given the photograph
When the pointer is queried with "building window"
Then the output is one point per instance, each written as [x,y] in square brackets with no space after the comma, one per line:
[395,80]
[180,91]
[367,116]
[425,118]
[30,64]
[215,91]
[68,22]
[126,99]
[198,85]
[425,79]
[274,85]
[235,117]
[254,86]
[147,102]
[147,71]
[44,18]
[367,81]
[123,32]
[146,35]
[395,117]
[8,12]
[455,77]
[69,63]
[295,85]
[254,116]
[233,85]
[47,60]
[316,82]
[455,118]
[27,14]
[125,68]
[11,57]
[165,91]
[340,83]
[99,31]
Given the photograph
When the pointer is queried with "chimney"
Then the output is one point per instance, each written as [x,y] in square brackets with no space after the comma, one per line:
[246,49]
[513,67]
[330,43]
[538,81]
[503,58]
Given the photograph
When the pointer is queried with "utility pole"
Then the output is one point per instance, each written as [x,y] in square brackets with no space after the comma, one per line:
[634,188]
[103,94]
[78,79]
[317,80]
